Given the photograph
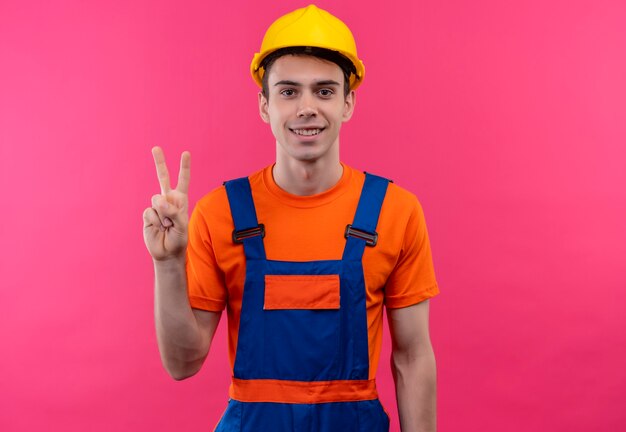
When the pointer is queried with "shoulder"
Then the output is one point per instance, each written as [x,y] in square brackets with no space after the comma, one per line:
[211,202]
[403,210]
[217,199]
[404,202]
[402,216]
[213,209]
[401,196]
[399,200]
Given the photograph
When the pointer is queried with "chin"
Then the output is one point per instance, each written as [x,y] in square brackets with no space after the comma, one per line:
[306,157]
[306,153]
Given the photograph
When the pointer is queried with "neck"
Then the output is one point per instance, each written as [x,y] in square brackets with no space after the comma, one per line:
[307,177]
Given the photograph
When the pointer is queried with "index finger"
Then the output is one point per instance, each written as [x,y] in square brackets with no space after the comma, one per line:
[161,167]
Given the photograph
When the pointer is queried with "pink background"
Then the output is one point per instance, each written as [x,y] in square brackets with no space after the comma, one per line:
[507,119]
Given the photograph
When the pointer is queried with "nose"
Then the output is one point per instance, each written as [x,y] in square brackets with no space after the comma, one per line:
[307,106]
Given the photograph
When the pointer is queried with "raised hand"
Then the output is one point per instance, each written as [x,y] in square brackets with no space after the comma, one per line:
[165,223]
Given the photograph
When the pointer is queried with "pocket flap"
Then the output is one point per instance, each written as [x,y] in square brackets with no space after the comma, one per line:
[301,292]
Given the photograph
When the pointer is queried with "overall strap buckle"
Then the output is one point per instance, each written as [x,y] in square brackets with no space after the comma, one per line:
[240,235]
[370,238]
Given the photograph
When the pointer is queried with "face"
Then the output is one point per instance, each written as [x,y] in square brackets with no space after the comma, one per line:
[306,107]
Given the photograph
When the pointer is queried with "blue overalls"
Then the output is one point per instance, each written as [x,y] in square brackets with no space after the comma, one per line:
[300,367]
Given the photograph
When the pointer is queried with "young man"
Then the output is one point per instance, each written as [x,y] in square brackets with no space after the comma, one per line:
[303,254]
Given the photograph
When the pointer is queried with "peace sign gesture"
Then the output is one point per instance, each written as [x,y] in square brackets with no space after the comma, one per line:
[165,223]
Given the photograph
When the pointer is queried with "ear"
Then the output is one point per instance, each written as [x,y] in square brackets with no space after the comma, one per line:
[348,106]
[263,111]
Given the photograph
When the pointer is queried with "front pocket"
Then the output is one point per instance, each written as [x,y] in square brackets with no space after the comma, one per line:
[301,292]
[301,327]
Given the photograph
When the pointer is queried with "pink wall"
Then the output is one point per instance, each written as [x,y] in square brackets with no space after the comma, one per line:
[507,119]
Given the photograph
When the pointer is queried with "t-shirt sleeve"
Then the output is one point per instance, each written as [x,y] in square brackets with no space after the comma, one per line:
[413,278]
[205,281]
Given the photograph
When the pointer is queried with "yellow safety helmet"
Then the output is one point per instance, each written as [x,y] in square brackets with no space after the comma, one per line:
[309,27]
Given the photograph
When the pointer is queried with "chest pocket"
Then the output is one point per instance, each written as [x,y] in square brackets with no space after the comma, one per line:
[301,292]
[301,319]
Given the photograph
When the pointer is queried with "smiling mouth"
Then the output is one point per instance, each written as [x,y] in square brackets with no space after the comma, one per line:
[306,132]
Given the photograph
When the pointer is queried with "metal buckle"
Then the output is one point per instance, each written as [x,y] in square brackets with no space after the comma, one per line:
[370,239]
[241,235]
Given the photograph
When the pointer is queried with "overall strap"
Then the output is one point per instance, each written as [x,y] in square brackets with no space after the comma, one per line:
[247,231]
[362,232]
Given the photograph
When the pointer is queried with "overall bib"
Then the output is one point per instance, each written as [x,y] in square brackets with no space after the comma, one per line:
[302,361]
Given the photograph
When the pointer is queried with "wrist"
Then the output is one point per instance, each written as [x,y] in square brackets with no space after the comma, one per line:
[173,261]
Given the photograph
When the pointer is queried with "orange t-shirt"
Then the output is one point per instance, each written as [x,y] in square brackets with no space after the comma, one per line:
[398,270]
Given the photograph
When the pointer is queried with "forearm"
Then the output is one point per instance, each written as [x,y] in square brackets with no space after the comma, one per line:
[415,375]
[180,341]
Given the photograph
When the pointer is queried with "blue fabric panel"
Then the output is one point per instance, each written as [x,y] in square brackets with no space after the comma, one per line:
[367,212]
[354,337]
[250,346]
[362,416]
[303,345]
[299,344]
[241,204]
[244,215]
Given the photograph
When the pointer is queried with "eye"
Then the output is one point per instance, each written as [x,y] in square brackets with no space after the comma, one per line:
[287,92]
[326,92]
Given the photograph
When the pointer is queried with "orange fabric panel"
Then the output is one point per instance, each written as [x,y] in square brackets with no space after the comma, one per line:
[398,271]
[301,292]
[302,392]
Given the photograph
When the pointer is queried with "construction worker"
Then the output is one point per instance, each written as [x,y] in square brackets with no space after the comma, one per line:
[303,254]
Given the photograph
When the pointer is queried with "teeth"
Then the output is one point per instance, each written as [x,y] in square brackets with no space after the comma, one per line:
[307,132]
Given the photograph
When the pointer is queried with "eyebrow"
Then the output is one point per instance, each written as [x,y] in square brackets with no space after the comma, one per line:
[316,83]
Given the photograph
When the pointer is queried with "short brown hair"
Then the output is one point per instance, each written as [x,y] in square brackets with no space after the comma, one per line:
[339,59]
